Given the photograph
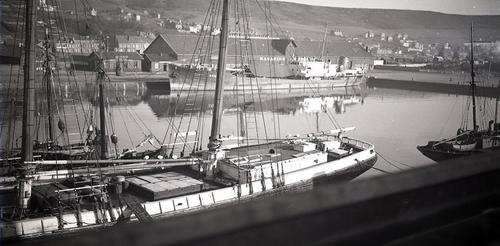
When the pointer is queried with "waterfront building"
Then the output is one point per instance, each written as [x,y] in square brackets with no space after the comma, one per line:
[179,50]
[126,61]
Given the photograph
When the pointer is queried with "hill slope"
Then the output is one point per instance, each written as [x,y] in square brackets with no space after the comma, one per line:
[309,20]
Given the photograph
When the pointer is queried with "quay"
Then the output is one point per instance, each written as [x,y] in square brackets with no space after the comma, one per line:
[457,84]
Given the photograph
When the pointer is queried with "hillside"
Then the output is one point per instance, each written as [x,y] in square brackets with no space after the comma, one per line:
[309,21]
[304,20]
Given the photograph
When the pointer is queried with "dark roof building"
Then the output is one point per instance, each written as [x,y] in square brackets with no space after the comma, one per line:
[161,49]
[332,49]
[188,49]
[183,47]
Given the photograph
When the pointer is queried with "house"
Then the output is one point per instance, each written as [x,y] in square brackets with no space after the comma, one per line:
[129,43]
[157,63]
[334,51]
[78,46]
[159,55]
[178,25]
[92,12]
[126,61]
[384,51]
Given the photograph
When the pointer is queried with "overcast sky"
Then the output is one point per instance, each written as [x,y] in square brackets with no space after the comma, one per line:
[468,7]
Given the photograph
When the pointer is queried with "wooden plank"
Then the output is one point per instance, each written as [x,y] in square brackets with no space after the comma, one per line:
[150,179]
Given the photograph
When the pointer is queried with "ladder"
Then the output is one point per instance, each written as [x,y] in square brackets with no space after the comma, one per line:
[137,209]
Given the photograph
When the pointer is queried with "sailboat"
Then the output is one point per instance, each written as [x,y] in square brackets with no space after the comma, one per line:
[112,191]
[467,141]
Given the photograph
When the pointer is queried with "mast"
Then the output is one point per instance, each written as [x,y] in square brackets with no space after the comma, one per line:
[25,170]
[472,74]
[48,77]
[214,142]
[323,44]
[496,111]
[102,111]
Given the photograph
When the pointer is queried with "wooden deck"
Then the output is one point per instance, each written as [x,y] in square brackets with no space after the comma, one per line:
[164,185]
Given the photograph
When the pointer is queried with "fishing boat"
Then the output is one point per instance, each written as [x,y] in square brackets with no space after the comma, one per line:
[467,141]
[88,193]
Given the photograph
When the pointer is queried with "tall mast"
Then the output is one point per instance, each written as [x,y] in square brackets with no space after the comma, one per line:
[48,77]
[102,111]
[323,44]
[472,74]
[214,142]
[496,110]
[25,170]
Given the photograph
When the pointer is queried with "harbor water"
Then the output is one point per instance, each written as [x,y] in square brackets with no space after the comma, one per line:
[395,121]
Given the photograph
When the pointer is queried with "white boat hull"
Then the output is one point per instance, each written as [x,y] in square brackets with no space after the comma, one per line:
[232,82]
[303,179]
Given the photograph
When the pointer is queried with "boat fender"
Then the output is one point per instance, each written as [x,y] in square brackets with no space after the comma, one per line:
[114,139]
[61,125]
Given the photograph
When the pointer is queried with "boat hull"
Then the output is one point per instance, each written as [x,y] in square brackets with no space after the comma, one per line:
[339,170]
[232,82]
[441,155]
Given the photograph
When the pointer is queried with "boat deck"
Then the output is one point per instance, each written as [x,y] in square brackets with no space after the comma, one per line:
[275,151]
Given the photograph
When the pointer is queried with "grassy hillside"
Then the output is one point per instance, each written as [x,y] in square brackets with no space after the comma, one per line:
[305,20]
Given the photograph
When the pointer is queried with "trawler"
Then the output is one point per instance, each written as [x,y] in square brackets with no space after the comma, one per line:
[64,195]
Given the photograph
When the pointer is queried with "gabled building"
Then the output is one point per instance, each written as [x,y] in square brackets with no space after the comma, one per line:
[159,56]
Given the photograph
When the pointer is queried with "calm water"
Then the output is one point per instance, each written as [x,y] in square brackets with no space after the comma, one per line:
[396,121]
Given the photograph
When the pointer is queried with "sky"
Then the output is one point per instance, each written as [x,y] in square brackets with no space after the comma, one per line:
[466,7]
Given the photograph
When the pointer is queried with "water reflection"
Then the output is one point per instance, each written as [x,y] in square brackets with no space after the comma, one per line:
[282,102]
[392,119]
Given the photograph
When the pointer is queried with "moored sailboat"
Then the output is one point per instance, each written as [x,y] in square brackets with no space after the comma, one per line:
[118,190]
[467,141]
